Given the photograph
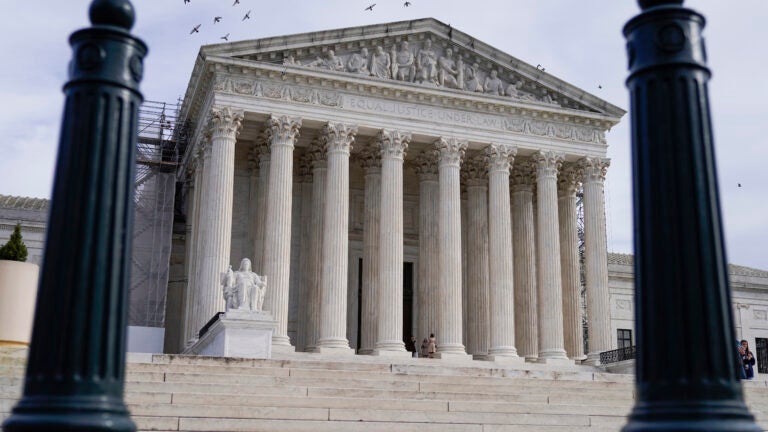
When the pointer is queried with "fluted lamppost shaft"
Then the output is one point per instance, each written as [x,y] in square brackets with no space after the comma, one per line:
[76,366]
[686,368]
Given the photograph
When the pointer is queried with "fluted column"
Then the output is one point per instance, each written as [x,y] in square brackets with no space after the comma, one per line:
[524,254]
[198,320]
[549,280]
[315,264]
[429,257]
[371,162]
[260,216]
[389,339]
[568,184]
[189,336]
[449,336]
[283,132]
[593,172]
[501,295]
[333,312]
[216,240]
[305,181]
[478,332]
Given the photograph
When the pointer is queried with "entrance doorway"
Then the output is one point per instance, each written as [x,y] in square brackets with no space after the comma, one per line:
[762,355]
[407,301]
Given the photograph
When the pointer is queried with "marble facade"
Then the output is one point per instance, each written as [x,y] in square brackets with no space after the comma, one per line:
[333,158]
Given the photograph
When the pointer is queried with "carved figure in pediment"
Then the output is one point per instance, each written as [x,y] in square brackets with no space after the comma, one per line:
[493,84]
[471,80]
[358,62]
[380,63]
[511,90]
[447,72]
[330,62]
[290,60]
[426,63]
[460,72]
[403,63]
[521,94]
[548,99]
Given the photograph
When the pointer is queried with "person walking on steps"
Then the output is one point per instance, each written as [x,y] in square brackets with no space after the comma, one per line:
[432,346]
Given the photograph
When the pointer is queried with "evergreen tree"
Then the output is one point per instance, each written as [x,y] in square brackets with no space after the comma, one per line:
[15,249]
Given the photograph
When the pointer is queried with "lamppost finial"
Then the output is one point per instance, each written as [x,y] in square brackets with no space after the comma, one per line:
[116,13]
[647,4]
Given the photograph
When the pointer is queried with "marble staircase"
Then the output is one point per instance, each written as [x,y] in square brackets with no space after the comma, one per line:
[307,393]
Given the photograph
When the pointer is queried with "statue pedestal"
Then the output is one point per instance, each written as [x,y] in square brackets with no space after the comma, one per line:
[237,333]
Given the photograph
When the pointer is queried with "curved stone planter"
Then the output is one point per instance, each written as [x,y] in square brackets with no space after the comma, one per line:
[18,291]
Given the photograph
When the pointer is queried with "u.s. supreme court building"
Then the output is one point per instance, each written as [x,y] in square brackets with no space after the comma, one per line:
[391,181]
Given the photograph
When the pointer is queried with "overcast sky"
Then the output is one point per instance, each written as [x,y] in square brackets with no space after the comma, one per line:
[579,41]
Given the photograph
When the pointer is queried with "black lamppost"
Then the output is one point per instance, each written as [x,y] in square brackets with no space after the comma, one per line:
[686,362]
[76,365]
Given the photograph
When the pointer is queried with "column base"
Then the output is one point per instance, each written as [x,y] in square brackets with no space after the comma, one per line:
[452,356]
[391,353]
[505,359]
[281,340]
[531,359]
[592,359]
[553,361]
[283,349]
[365,351]
[333,351]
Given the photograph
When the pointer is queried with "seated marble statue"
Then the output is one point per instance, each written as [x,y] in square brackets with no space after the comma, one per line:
[548,99]
[447,74]
[290,60]
[244,289]
[229,290]
[380,63]
[512,88]
[330,62]
[404,64]
[471,80]
[493,84]
[358,62]
[426,64]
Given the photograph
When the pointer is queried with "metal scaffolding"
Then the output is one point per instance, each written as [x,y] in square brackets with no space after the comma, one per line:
[159,141]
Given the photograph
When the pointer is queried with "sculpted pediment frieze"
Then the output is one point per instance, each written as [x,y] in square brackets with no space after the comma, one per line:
[422,52]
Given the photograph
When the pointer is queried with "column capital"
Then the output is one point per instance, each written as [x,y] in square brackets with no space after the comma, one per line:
[548,163]
[474,171]
[339,137]
[225,122]
[593,169]
[451,151]
[523,174]
[316,154]
[500,157]
[393,143]
[283,130]
[370,159]
[568,180]
[425,164]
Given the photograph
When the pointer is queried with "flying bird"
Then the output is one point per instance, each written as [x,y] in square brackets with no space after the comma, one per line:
[196,29]
[186,1]
[225,37]
[739,184]
[247,16]
[237,2]
[406,4]
[370,8]
[216,19]
[599,86]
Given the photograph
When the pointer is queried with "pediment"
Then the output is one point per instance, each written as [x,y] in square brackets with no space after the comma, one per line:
[421,52]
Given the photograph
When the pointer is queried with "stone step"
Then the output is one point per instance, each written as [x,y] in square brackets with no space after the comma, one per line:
[235,389]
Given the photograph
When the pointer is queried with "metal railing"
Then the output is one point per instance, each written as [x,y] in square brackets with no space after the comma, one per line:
[617,355]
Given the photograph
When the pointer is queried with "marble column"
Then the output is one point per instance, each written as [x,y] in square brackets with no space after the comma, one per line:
[201,232]
[189,335]
[283,132]
[524,253]
[429,262]
[371,161]
[593,172]
[501,294]
[389,339]
[568,184]
[315,264]
[549,281]
[260,216]
[333,287]
[217,202]
[449,336]
[478,331]
[305,182]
